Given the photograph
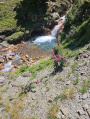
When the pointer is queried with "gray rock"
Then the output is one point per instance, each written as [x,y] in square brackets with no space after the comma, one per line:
[89,91]
[85,56]
[80,112]
[84,96]
[83,73]
[62,117]
[55,15]
[2,80]
[85,107]
[88,112]
[65,111]
[59,114]
[80,97]
[68,82]
[71,116]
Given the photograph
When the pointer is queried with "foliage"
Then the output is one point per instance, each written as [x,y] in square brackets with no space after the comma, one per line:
[28,87]
[75,81]
[59,59]
[22,69]
[23,15]
[85,86]
[77,26]
[7,14]
[35,68]
[15,36]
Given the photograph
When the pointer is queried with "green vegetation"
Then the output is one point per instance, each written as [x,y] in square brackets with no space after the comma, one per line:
[53,112]
[23,15]
[22,69]
[48,89]
[1,104]
[35,68]
[85,86]
[7,15]
[58,79]
[61,97]
[41,79]
[4,90]
[66,94]
[77,26]
[75,82]
[83,89]
[15,36]
[74,66]
[7,108]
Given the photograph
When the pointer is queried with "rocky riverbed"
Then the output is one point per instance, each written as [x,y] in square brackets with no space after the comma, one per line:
[21,54]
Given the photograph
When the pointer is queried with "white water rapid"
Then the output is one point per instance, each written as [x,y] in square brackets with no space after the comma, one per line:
[47,42]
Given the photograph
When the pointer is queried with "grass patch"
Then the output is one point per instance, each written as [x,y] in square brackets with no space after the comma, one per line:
[75,82]
[66,94]
[41,79]
[48,89]
[85,85]
[1,104]
[74,66]
[46,82]
[22,69]
[53,112]
[7,108]
[4,90]
[9,82]
[0,97]
[83,89]
[58,79]
[61,97]
[35,68]
[14,114]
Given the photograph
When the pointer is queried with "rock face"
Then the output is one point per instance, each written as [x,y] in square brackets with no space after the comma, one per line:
[55,16]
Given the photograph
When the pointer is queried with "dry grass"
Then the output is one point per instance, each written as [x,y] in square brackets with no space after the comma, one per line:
[15,113]
[66,94]
[7,108]
[69,93]
[53,112]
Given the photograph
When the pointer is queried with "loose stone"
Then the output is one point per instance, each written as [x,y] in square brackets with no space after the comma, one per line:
[85,107]
[80,112]
[84,96]
[1,60]
[65,111]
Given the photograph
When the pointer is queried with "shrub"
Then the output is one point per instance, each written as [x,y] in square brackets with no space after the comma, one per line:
[59,59]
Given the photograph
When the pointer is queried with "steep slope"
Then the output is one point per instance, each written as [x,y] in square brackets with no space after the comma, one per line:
[77,26]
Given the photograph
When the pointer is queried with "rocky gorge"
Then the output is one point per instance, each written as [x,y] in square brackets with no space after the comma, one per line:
[44,59]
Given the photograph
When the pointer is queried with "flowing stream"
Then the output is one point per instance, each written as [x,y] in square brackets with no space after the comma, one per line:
[41,43]
[47,42]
